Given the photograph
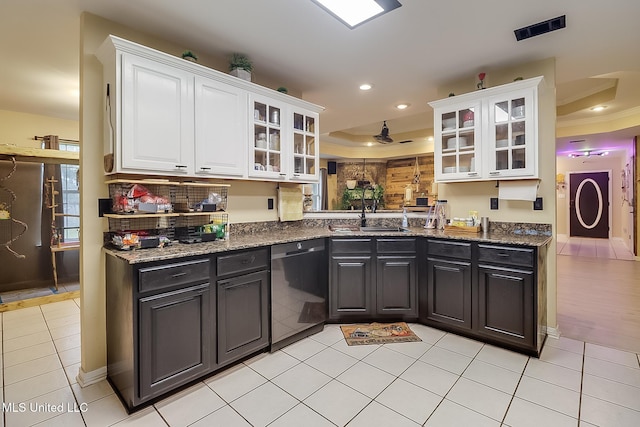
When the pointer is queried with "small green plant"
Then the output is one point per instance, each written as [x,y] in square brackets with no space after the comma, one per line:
[241,61]
[282,89]
[189,54]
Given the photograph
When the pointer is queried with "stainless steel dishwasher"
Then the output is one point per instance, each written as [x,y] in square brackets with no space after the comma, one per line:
[298,291]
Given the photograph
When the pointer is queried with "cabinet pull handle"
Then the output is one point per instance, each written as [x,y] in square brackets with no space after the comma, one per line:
[205,169]
[472,173]
[175,276]
[494,173]
[283,174]
[181,166]
[503,255]
[249,260]
[296,174]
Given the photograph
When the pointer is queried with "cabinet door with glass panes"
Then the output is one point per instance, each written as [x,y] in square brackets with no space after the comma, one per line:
[511,139]
[304,155]
[457,142]
[267,157]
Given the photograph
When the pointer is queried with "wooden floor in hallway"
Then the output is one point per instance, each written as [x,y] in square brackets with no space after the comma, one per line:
[599,300]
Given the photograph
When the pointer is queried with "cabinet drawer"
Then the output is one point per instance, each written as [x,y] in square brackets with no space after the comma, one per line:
[242,262]
[385,245]
[506,255]
[165,276]
[447,248]
[350,246]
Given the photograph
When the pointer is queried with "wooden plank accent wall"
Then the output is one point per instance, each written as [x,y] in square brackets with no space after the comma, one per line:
[400,173]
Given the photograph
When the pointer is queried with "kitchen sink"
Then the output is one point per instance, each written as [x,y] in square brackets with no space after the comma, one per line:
[383,229]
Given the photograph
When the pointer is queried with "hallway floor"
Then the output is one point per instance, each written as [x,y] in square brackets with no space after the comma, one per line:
[613,248]
[445,380]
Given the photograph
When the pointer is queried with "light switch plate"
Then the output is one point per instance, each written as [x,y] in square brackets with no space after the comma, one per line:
[494,203]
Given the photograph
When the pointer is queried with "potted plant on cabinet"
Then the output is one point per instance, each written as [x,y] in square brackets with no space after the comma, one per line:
[240,66]
[189,56]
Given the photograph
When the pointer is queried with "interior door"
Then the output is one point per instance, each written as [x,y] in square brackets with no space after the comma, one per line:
[589,204]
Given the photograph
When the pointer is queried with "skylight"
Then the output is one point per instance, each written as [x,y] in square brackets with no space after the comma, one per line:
[355,12]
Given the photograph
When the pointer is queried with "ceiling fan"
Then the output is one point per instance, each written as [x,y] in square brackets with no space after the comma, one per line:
[384,138]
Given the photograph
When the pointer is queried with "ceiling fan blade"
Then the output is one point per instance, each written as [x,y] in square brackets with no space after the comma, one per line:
[405,141]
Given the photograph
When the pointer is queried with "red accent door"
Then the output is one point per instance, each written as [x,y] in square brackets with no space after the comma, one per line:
[589,204]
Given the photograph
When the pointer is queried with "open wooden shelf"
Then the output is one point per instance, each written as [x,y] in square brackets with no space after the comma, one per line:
[39,155]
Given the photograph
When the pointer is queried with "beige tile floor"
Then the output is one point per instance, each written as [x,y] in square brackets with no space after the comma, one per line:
[613,248]
[445,380]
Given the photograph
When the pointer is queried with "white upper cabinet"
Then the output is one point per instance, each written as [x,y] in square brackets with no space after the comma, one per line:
[488,134]
[221,130]
[156,117]
[168,116]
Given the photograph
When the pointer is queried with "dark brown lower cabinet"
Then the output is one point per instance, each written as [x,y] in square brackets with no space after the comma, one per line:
[160,325]
[449,292]
[490,292]
[360,291]
[506,305]
[350,286]
[243,316]
[175,339]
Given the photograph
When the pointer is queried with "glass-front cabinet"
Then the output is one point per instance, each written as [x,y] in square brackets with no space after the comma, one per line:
[267,159]
[511,135]
[487,134]
[305,154]
[457,142]
[284,141]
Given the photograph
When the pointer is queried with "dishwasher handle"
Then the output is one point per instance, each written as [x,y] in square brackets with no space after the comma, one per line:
[280,255]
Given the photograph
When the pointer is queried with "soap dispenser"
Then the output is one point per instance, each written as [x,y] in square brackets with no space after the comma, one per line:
[405,221]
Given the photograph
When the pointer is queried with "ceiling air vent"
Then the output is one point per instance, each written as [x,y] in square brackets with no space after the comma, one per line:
[540,28]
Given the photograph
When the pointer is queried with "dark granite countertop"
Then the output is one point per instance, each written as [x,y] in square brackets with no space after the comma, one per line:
[267,238]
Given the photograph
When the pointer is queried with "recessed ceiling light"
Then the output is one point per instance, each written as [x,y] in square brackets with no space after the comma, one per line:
[598,108]
[365,86]
[369,144]
[355,12]
[402,106]
[430,139]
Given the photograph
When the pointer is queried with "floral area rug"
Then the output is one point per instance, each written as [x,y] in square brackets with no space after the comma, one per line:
[378,333]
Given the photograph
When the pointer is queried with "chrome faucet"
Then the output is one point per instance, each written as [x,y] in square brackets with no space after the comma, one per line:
[363,217]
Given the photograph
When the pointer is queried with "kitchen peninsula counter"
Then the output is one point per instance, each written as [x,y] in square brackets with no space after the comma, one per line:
[297,233]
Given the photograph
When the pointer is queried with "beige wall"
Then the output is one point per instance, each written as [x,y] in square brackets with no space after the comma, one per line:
[614,163]
[21,128]
[463,197]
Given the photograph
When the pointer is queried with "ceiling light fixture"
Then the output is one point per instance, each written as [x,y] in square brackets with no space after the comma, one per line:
[588,154]
[365,86]
[356,12]
[598,108]
[402,106]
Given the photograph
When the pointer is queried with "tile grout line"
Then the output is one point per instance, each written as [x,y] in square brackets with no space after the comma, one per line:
[513,396]
[584,355]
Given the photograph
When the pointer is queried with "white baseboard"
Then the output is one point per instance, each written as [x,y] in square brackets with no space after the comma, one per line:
[88,378]
[553,332]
